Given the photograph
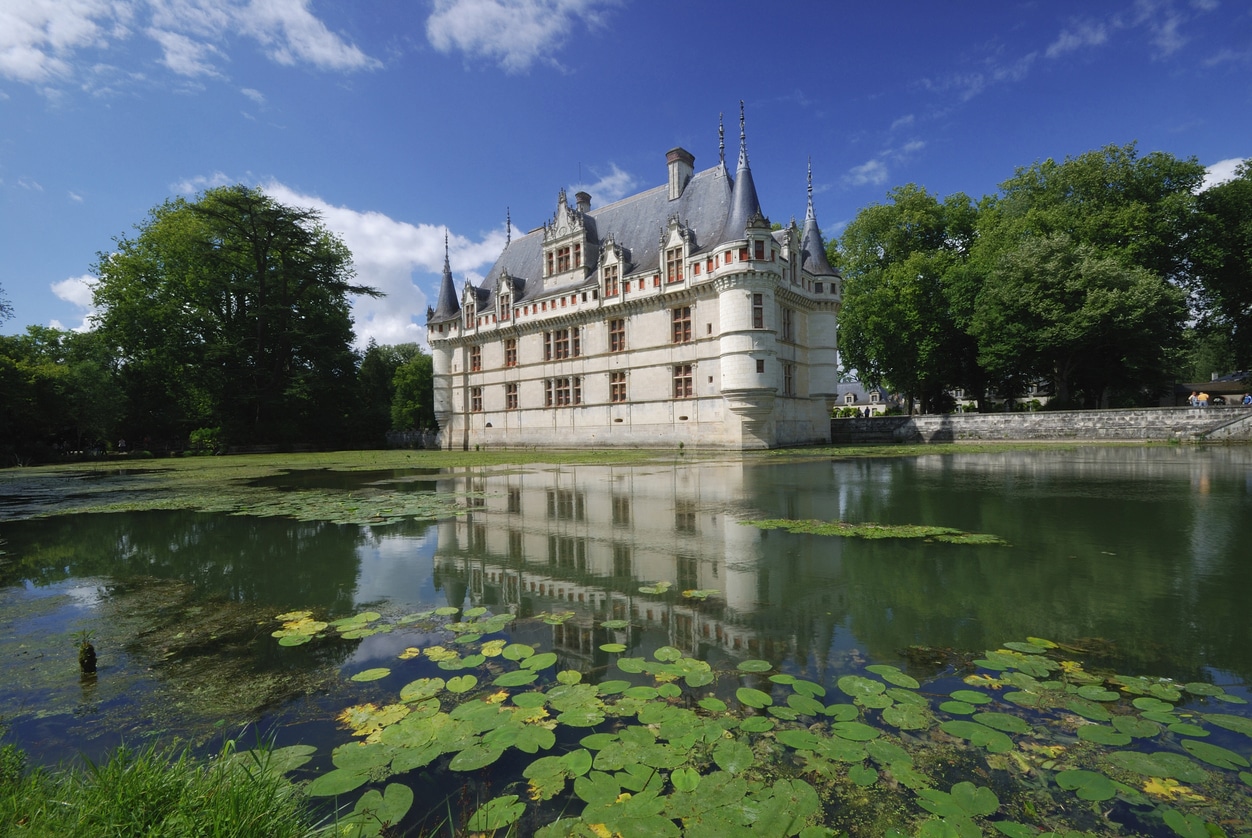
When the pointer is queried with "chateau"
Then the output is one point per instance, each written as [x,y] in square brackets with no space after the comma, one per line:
[674,316]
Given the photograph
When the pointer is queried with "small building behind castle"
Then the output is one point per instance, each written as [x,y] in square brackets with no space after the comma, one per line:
[674,316]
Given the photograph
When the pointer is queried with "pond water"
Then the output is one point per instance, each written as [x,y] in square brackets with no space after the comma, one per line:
[1137,559]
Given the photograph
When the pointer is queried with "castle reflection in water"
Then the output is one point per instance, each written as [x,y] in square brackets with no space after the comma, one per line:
[585,539]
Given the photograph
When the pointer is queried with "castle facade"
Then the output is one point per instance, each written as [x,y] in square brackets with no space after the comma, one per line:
[676,315]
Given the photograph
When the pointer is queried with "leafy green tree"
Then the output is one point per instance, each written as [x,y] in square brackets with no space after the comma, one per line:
[232,311]
[60,388]
[6,308]
[413,406]
[1223,262]
[1092,325]
[908,290]
[376,379]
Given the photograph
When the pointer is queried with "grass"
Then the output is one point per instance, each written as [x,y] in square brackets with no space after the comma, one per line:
[155,793]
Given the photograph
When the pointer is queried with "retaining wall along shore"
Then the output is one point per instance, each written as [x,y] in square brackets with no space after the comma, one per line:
[1187,424]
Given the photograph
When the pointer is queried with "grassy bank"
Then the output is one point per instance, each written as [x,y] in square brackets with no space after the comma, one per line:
[152,793]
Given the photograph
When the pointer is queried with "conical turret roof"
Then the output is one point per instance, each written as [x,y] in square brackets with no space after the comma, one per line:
[448,307]
[744,204]
[811,244]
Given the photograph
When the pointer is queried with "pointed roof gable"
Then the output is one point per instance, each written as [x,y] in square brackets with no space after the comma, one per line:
[811,244]
[448,307]
[744,205]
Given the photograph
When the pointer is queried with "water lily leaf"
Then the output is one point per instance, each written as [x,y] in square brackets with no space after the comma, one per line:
[1013,829]
[783,712]
[362,756]
[1239,724]
[669,690]
[957,708]
[862,775]
[632,666]
[474,757]
[643,692]
[597,788]
[843,712]
[971,696]
[1028,648]
[612,647]
[1094,692]
[612,687]
[462,683]
[372,674]
[874,702]
[1142,728]
[447,610]
[289,758]
[516,678]
[808,688]
[732,756]
[1003,721]
[495,814]
[569,676]
[757,724]
[1165,692]
[698,679]
[517,651]
[1188,729]
[658,588]
[1088,785]
[858,686]
[292,616]
[1103,735]
[713,705]
[541,661]
[1186,825]
[893,675]
[755,666]
[337,782]
[1165,764]
[1089,709]
[685,779]
[421,689]
[581,718]
[294,639]
[1214,754]
[805,705]
[982,736]
[904,696]
[908,716]
[752,697]
[388,806]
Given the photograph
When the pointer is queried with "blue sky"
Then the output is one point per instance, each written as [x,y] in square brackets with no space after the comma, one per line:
[400,119]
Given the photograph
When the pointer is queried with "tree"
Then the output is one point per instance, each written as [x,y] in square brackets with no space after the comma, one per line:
[376,379]
[908,292]
[414,404]
[1085,321]
[1223,262]
[232,311]
[59,387]
[6,308]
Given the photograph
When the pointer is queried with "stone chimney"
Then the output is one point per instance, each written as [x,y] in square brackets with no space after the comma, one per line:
[681,164]
[582,201]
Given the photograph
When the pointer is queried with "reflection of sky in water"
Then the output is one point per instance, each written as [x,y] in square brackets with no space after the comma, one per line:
[398,569]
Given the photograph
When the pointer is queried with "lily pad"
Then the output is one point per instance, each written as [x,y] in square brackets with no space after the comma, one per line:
[496,814]
[752,697]
[1214,754]
[1088,785]
[372,674]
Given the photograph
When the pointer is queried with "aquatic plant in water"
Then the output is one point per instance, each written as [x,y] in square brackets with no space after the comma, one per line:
[1030,743]
[874,531]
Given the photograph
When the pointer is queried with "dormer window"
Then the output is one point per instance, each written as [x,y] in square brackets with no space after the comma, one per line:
[470,311]
[506,303]
[674,264]
[610,280]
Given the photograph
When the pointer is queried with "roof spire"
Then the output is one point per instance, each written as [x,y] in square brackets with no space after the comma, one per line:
[721,139]
[812,247]
[448,306]
[508,227]
[744,204]
[743,139]
[810,213]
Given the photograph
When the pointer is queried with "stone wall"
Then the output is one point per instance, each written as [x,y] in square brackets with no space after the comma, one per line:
[1188,424]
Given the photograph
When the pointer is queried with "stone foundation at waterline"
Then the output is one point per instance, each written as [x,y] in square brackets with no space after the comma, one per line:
[1185,424]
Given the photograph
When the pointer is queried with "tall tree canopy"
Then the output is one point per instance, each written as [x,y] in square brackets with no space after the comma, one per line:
[232,311]
[907,295]
[1223,262]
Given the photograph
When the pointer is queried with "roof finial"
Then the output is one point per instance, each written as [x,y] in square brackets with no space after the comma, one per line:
[445,245]
[743,138]
[810,212]
[721,138]
[508,227]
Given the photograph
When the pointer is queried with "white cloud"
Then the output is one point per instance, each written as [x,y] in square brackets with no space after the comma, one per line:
[903,122]
[185,56]
[1220,172]
[40,40]
[76,198]
[609,188]
[30,185]
[872,172]
[1079,35]
[513,33]
[255,95]
[387,253]
[199,183]
[77,291]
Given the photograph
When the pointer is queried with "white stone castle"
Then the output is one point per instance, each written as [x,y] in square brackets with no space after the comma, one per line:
[673,316]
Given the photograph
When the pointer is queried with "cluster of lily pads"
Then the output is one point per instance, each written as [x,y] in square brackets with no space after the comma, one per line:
[1030,744]
[847,529]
